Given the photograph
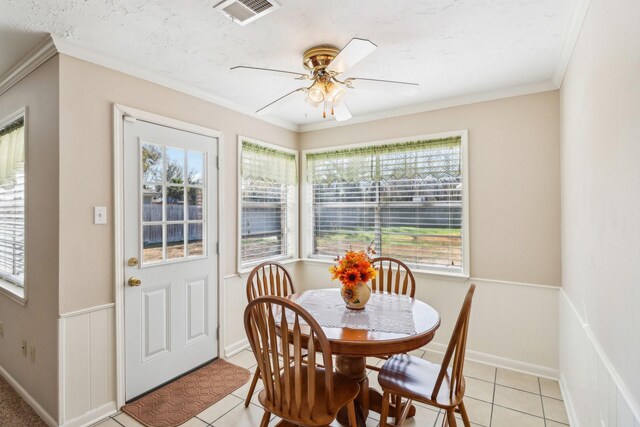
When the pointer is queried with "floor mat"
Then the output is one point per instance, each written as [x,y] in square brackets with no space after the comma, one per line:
[184,398]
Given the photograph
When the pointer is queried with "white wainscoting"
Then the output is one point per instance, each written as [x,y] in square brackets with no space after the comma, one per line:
[87,365]
[233,337]
[594,393]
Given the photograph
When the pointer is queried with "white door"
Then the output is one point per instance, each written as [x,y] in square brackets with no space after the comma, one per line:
[170,232]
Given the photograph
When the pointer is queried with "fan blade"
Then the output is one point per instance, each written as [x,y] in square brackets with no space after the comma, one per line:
[403,88]
[298,76]
[355,51]
[341,112]
[269,107]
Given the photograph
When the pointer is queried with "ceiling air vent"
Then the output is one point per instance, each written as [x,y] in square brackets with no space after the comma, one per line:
[244,11]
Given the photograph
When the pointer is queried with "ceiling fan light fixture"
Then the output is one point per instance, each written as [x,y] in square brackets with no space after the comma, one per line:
[316,93]
[336,93]
[311,102]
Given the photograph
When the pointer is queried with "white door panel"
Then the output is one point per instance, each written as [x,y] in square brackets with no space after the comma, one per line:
[197,292]
[170,227]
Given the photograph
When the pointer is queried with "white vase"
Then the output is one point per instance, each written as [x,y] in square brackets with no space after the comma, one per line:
[356,297]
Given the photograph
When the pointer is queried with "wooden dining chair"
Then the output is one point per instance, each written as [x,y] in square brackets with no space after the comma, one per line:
[268,278]
[406,376]
[395,277]
[301,393]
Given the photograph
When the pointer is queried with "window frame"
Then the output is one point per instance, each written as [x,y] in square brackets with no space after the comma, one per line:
[15,292]
[294,217]
[306,214]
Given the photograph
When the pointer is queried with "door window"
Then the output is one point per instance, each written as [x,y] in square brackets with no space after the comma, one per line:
[172,203]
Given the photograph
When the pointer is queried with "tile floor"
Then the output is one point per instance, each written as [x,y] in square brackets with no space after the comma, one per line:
[495,397]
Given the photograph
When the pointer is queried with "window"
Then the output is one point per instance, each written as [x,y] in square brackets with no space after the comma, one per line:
[12,197]
[407,198]
[268,199]
[173,200]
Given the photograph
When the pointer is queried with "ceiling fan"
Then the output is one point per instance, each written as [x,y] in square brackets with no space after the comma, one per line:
[325,64]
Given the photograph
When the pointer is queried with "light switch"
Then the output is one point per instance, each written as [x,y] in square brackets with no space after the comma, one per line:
[99,215]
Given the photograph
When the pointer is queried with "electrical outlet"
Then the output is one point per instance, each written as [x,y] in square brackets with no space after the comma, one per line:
[24,348]
[32,352]
[1,329]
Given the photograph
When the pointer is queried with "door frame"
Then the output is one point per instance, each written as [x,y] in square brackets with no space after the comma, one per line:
[120,112]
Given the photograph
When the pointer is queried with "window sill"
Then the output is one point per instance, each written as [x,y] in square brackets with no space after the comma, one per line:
[287,261]
[13,292]
[429,274]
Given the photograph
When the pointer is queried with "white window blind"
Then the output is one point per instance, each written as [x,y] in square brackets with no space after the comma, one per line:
[12,223]
[269,204]
[404,197]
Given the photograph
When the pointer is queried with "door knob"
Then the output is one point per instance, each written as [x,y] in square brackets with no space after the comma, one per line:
[134,281]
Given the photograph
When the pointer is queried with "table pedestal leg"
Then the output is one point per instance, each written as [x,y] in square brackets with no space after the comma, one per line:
[356,369]
[368,399]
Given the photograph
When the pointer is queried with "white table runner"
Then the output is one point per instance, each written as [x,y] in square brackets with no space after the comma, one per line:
[383,313]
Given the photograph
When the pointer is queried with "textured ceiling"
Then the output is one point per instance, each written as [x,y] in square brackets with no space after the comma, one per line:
[451,47]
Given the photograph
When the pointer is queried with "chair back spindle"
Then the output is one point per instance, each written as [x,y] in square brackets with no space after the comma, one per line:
[394,276]
[266,323]
[269,278]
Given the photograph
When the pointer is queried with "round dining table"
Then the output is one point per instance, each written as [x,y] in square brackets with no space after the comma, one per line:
[352,346]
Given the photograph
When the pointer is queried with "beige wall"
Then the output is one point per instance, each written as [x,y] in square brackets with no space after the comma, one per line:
[36,322]
[600,110]
[514,174]
[87,94]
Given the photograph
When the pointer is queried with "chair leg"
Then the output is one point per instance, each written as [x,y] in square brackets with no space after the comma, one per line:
[451,419]
[384,413]
[265,419]
[351,410]
[254,382]
[398,403]
[464,415]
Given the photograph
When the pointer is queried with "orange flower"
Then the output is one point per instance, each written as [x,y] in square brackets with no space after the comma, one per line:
[368,274]
[335,272]
[351,277]
[363,265]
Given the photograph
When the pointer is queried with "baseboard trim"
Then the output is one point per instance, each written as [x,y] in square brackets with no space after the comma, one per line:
[502,362]
[235,348]
[93,416]
[568,403]
[27,397]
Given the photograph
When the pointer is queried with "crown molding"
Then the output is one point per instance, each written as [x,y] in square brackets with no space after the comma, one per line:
[578,13]
[45,50]
[475,98]
[53,45]
[74,50]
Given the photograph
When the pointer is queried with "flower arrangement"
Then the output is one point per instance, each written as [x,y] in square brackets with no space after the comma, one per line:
[354,267]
